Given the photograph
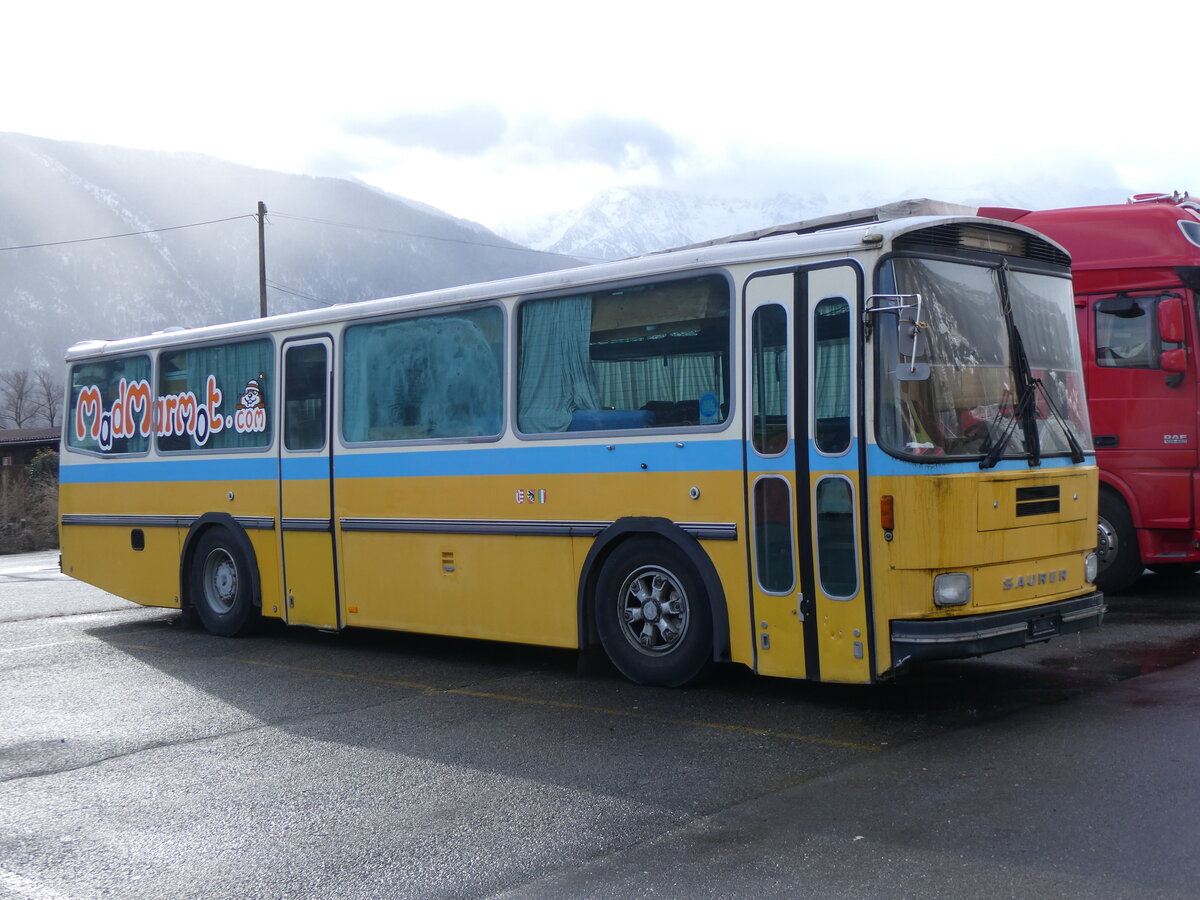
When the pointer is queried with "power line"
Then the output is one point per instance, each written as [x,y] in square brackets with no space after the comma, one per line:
[514,248]
[108,237]
[275,286]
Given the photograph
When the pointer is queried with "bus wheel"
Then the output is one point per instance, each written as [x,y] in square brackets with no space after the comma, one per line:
[1116,546]
[652,614]
[220,585]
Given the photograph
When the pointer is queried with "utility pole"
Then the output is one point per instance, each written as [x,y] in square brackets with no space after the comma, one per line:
[262,262]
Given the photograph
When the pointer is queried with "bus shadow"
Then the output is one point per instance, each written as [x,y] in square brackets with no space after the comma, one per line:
[537,714]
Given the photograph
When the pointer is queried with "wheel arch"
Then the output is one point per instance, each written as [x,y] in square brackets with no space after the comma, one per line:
[632,528]
[205,523]
[1121,491]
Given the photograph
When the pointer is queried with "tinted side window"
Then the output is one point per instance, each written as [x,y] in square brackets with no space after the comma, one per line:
[646,356]
[1127,333]
[831,375]
[426,377]
[111,408]
[771,403]
[217,397]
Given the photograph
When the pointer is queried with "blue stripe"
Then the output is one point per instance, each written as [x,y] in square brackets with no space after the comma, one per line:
[549,459]
[305,468]
[881,463]
[698,456]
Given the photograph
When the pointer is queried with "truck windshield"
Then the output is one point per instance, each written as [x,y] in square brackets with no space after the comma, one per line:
[969,403]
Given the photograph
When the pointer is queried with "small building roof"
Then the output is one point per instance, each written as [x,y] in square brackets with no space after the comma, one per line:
[13,438]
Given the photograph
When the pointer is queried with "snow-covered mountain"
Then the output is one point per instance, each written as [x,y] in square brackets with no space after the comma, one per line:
[327,241]
[628,221]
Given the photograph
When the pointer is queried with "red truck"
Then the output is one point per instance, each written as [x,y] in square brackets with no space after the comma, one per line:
[1136,269]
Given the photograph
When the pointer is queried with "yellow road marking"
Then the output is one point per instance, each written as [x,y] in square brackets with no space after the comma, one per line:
[529,701]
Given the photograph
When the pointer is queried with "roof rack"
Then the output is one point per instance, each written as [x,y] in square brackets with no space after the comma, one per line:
[901,209]
[1179,199]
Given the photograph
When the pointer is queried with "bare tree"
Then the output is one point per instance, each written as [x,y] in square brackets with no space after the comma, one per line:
[17,406]
[49,396]
[30,399]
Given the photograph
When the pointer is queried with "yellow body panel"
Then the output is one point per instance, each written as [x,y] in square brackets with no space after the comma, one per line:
[512,587]
[102,554]
[968,523]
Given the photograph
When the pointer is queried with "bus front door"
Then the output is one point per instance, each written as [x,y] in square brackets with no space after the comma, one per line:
[802,474]
[831,559]
[771,487]
[305,486]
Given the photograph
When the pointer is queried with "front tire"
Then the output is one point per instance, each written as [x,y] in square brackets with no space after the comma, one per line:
[653,614]
[221,589]
[1116,546]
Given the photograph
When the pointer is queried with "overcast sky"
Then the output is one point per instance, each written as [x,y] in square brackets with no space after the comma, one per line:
[498,112]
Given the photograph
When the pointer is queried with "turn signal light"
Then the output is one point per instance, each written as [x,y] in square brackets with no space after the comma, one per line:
[887,513]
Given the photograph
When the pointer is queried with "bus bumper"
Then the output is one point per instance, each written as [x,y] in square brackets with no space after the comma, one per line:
[914,640]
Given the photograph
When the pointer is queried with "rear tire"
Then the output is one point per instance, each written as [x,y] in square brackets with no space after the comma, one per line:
[220,585]
[653,614]
[1116,546]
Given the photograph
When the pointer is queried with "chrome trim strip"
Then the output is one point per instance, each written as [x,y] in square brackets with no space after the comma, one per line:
[959,637]
[704,531]
[307,524]
[475,526]
[265,523]
[1089,613]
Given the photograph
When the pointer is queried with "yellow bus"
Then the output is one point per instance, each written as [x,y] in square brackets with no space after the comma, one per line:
[823,452]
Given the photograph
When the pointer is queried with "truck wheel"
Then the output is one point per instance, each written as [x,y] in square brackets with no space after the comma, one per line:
[220,585]
[652,614]
[1116,546]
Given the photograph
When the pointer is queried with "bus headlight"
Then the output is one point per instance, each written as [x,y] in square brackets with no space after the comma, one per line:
[1091,567]
[952,589]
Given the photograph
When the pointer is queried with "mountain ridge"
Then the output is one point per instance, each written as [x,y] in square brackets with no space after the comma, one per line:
[103,242]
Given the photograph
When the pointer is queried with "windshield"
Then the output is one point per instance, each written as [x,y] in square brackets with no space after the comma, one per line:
[959,395]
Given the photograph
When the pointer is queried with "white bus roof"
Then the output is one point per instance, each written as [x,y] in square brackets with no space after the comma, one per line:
[862,229]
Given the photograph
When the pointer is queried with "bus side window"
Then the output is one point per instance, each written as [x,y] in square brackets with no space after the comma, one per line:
[642,356]
[111,406]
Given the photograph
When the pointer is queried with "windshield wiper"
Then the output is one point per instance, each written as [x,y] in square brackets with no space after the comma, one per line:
[1026,384]
[996,448]
[1024,413]
[1077,454]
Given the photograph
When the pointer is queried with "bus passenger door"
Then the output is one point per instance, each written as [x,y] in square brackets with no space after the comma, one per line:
[771,487]
[831,558]
[305,486]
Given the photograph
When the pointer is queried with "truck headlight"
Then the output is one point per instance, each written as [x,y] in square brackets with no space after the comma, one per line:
[1091,567]
[952,589]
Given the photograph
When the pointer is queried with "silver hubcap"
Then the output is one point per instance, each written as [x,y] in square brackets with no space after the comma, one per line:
[653,609]
[1107,544]
[220,580]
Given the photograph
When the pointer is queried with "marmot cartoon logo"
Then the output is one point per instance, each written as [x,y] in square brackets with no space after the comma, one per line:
[252,395]
[251,413]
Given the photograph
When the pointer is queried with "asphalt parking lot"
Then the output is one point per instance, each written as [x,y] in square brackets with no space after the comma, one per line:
[144,758]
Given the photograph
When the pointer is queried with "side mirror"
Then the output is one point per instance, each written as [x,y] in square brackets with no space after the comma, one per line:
[1173,360]
[1170,322]
[1174,363]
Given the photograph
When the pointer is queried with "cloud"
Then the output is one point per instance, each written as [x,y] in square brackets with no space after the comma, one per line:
[619,142]
[465,131]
